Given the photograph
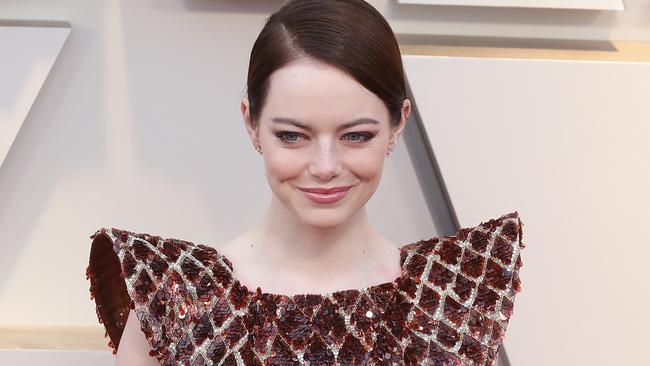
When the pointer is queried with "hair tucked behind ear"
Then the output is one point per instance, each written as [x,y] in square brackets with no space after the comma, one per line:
[349,34]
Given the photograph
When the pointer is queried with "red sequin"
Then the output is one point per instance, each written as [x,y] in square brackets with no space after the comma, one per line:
[450,306]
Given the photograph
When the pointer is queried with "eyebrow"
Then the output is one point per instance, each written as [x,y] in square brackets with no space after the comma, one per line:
[358,121]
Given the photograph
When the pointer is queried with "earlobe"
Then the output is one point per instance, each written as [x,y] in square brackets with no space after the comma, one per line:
[244,108]
[250,127]
[406,110]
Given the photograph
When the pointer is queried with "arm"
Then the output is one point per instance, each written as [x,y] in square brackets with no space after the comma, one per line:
[134,348]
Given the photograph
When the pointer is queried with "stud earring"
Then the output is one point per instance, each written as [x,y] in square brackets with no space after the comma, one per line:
[258,148]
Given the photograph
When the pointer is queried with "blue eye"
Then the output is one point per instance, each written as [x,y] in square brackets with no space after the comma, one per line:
[355,137]
[363,137]
[287,136]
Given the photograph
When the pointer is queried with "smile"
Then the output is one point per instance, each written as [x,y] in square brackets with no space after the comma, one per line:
[321,195]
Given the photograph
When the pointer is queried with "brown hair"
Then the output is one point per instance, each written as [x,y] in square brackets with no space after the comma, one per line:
[349,34]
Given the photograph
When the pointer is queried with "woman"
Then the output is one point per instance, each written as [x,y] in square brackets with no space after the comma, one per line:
[326,104]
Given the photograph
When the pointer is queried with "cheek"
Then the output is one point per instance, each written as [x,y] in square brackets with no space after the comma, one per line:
[283,166]
[367,166]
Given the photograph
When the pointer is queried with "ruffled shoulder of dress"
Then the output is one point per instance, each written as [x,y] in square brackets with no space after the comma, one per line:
[469,281]
[488,253]
[120,237]
[126,271]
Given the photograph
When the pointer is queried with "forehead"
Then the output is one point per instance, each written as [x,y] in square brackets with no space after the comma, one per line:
[317,93]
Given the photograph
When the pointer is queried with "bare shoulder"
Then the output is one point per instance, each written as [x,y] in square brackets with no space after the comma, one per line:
[234,248]
[248,270]
[134,347]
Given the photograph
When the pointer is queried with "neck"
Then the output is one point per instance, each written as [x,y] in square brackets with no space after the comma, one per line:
[290,246]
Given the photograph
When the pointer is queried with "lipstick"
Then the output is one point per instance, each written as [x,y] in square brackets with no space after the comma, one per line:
[325,195]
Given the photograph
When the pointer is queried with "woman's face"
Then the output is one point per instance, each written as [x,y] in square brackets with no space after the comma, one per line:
[321,129]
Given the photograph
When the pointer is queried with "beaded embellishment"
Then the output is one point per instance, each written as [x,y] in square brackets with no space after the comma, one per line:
[450,306]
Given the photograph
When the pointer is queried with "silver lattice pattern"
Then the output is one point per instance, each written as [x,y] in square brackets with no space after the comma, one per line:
[450,306]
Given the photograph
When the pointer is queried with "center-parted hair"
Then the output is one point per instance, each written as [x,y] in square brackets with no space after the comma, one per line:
[348,34]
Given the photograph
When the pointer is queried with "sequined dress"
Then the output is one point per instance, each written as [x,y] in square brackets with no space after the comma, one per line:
[450,305]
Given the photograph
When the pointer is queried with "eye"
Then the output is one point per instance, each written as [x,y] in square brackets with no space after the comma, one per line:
[359,137]
[288,137]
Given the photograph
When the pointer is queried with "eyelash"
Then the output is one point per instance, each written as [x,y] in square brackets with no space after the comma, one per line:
[365,137]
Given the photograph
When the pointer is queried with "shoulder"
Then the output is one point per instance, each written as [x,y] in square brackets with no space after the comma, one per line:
[234,246]
[493,238]
[236,250]
[131,272]
[140,247]
[469,282]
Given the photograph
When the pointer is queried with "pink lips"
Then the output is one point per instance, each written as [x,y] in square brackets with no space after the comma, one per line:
[325,195]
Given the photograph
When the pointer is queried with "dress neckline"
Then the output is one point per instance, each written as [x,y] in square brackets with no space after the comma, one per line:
[261,293]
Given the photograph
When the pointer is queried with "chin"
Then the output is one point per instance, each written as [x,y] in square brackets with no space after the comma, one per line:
[322,219]
[325,216]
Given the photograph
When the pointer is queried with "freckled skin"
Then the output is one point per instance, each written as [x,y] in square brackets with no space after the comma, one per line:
[322,97]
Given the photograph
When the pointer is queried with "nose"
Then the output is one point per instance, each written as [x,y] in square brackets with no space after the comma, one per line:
[325,162]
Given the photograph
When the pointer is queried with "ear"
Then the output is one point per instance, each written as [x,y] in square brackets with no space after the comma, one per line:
[406,112]
[251,127]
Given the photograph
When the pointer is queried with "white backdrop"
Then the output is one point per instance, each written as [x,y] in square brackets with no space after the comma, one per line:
[29,56]
[566,143]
